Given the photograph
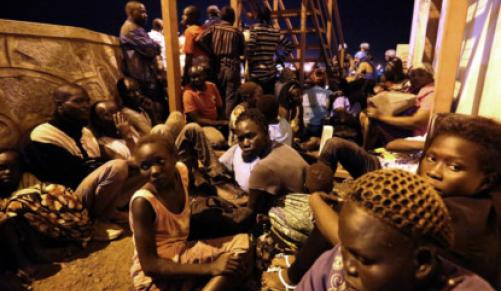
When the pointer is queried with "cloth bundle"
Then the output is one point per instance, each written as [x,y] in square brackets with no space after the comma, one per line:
[52,210]
[292,222]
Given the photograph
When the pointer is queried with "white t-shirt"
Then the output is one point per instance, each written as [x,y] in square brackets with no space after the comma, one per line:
[158,37]
[233,161]
[281,132]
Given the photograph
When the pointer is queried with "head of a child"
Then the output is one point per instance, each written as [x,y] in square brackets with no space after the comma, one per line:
[462,156]
[318,77]
[252,135]
[156,157]
[389,229]
[248,92]
[10,171]
[198,76]
[268,106]
[319,178]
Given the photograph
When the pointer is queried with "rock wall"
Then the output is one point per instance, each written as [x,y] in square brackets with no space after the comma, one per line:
[36,58]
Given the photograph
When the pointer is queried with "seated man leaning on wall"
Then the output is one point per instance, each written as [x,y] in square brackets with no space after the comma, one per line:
[117,136]
[203,104]
[63,151]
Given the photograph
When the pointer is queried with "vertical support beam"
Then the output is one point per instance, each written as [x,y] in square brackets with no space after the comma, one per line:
[169,14]
[236,5]
[330,11]
[432,31]
[418,32]
[450,38]
[302,42]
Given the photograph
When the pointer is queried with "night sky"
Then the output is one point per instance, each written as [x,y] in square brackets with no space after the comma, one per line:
[383,23]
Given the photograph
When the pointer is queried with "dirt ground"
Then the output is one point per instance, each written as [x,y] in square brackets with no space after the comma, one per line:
[101,266]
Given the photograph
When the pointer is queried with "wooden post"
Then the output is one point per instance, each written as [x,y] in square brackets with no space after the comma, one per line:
[169,14]
[330,10]
[235,4]
[432,30]
[449,40]
[302,42]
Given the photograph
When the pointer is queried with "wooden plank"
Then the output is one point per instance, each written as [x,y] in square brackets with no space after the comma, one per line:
[451,34]
[237,6]
[169,13]
[301,51]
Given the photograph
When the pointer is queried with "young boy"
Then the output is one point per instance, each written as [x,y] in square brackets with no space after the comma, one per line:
[278,127]
[390,229]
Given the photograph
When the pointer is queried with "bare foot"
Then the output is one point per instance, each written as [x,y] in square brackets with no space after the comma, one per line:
[272,281]
[283,261]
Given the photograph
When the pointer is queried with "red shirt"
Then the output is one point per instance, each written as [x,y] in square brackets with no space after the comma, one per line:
[190,35]
[204,102]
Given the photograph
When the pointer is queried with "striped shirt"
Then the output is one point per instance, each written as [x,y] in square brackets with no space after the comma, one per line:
[222,41]
[265,40]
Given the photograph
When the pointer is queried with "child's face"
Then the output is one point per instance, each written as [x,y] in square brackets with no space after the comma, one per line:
[375,255]
[452,166]
[156,162]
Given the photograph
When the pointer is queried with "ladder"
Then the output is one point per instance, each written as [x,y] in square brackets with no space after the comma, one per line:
[314,27]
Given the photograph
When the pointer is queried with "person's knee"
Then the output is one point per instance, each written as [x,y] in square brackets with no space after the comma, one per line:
[193,127]
[335,144]
[117,169]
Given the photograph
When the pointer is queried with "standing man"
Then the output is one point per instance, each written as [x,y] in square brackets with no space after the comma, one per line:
[157,35]
[191,20]
[142,54]
[265,41]
[225,44]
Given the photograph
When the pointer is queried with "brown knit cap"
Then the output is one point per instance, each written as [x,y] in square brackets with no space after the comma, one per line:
[405,201]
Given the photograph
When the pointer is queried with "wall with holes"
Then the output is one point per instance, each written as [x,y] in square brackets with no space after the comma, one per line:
[36,58]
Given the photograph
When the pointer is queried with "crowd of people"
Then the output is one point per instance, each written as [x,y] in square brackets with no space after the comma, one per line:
[240,190]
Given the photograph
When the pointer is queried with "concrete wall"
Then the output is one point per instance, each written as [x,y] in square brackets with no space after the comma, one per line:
[478,89]
[36,58]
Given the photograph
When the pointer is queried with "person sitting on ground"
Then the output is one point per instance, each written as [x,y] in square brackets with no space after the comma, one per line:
[247,92]
[191,20]
[264,42]
[458,140]
[116,137]
[317,103]
[142,57]
[203,104]
[160,221]
[279,171]
[139,109]
[64,152]
[279,129]
[379,129]
[13,254]
[289,92]
[385,239]
[225,58]
[213,16]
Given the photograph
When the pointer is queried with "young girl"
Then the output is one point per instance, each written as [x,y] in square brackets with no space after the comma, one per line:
[160,217]
[391,228]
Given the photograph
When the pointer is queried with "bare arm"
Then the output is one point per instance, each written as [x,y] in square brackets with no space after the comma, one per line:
[143,217]
[404,146]
[205,121]
[416,121]
[326,219]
